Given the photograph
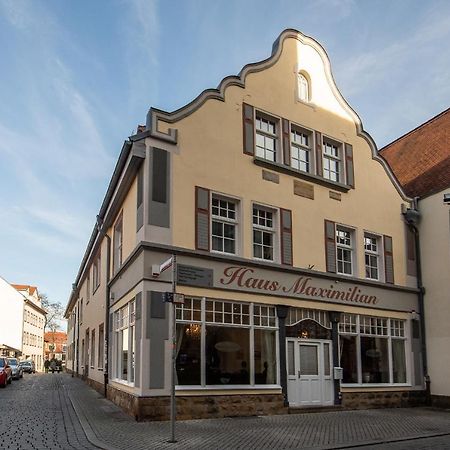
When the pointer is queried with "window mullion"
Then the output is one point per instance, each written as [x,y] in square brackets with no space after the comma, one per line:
[203,343]
[391,363]
[252,346]
[358,348]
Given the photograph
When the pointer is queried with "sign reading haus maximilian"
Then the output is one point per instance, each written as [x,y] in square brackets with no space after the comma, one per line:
[288,284]
[303,286]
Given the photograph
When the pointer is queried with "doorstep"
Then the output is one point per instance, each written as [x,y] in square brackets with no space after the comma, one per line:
[314,409]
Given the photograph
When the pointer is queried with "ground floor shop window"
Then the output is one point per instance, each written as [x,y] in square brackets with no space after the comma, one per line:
[372,350]
[124,323]
[226,343]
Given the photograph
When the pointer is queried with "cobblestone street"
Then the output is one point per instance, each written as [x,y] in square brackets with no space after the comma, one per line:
[38,414]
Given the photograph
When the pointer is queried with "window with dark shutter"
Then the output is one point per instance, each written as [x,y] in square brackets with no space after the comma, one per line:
[388,260]
[350,175]
[286,236]
[202,214]
[140,200]
[249,132]
[330,246]
[286,142]
[319,161]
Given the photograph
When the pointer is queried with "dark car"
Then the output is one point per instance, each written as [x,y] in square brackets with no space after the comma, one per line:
[5,372]
[28,366]
[16,368]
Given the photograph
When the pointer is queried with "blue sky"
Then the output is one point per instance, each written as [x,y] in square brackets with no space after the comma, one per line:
[77,77]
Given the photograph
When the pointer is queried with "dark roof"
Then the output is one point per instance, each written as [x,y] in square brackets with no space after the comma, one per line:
[420,159]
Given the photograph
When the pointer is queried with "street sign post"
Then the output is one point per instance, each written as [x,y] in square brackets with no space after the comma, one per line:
[173,406]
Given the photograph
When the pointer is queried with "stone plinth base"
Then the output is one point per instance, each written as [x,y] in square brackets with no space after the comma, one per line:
[380,399]
[440,401]
[198,407]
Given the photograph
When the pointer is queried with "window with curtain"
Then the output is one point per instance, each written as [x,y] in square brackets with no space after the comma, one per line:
[372,350]
[215,339]
[124,340]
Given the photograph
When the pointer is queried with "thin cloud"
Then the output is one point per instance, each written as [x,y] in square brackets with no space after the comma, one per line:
[362,71]
[142,46]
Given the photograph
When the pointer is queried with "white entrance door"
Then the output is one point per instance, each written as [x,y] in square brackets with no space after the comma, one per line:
[309,373]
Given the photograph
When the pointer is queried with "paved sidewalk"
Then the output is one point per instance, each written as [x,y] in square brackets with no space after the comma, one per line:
[108,427]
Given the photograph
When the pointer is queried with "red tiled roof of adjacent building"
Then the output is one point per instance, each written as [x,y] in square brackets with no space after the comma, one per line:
[55,335]
[25,287]
[420,159]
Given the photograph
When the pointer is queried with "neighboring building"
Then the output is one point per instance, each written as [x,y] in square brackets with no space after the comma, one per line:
[291,252]
[11,320]
[33,325]
[55,345]
[421,161]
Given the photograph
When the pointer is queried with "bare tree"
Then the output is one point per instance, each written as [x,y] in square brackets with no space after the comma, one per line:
[55,313]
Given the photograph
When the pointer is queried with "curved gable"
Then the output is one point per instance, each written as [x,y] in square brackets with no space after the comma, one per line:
[312,59]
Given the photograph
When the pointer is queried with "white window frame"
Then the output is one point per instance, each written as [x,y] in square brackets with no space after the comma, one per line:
[262,116]
[370,326]
[303,81]
[272,324]
[124,318]
[225,221]
[273,230]
[96,271]
[339,159]
[118,243]
[101,346]
[92,349]
[309,149]
[345,247]
[376,254]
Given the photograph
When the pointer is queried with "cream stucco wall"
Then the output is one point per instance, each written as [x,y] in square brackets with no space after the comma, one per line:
[94,306]
[93,316]
[33,337]
[435,253]
[128,212]
[211,155]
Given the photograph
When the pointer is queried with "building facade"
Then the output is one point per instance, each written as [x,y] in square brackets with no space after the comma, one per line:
[421,161]
[11,321]
[55,346]
[291,254]
[33,325]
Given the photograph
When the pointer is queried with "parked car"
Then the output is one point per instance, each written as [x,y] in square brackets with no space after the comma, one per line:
[5,372]
[28,366]
[16,368]
[55,366]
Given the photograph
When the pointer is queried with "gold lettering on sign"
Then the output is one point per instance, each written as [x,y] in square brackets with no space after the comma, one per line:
[243,277]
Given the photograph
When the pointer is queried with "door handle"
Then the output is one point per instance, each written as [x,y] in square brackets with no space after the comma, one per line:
[299,373]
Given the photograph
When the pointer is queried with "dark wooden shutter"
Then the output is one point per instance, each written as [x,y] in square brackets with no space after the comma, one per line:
[330,246]
[388,260]
[349,169]
[140,200]
[286,142]
[319,162]
[249,129]
[411,263]
[202,207]
[286,236]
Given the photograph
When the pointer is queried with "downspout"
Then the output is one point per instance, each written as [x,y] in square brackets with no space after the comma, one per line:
[412,217]
[102,233]
[78,335]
